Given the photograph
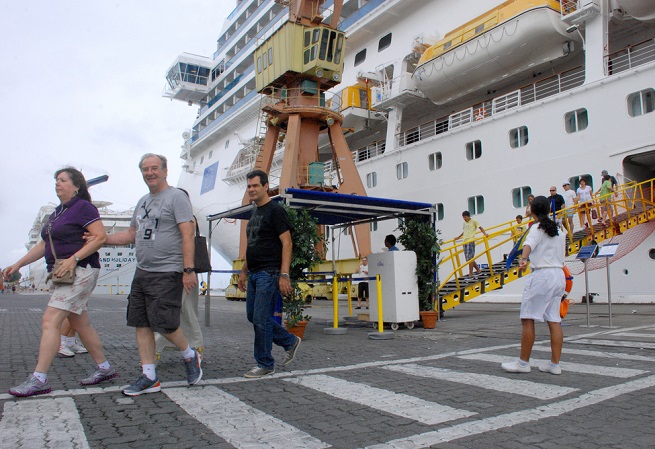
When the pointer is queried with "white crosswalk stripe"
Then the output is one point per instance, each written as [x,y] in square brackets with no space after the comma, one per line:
[49,422]
[238,423]
[615,343]
[600,354]
[486,381]
[398,404]
[582,368]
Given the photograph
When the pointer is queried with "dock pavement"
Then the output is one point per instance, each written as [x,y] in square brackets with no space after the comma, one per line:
[440,387]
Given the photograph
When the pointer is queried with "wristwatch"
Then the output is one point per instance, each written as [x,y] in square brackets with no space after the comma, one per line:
[284,275]
[77,259]
[189,269]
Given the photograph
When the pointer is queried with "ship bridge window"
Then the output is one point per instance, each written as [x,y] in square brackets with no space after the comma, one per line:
[360,57]
[520,196]
[640,103]
[435,161]
[575,121]
[371,179]
[439,211]
[402,170]
[518,137]
[473,150]
[475,204]
[384,42]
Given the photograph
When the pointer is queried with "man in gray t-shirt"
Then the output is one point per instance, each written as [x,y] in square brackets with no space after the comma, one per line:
[163,229]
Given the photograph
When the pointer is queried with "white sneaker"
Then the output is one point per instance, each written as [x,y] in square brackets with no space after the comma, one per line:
[78,348]
[515,367]
[64,351]
[550,368]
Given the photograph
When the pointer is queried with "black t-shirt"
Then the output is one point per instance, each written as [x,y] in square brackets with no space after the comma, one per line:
[266,224]
[559,202]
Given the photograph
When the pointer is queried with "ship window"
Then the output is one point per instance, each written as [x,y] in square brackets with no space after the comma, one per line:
[435,161]
[473,150]
[520,196]
[518,137]
[360,57]
[371,179]
[385,41]
[259,65]
[479,28]
[439,211]
[308,36]
[575,121]
[402,170]
[107,254]
[475,204]
[270,56]
[373,226]
[640,103]
[119,254]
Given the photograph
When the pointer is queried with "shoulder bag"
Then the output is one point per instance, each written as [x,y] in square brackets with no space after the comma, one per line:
[67,278]
[201,256]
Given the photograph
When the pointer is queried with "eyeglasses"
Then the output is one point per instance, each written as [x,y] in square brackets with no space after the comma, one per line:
[552,190]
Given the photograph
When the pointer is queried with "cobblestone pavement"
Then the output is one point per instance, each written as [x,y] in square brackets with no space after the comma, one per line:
[424,388]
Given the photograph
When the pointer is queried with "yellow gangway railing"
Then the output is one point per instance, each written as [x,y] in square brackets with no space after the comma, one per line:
[630,205]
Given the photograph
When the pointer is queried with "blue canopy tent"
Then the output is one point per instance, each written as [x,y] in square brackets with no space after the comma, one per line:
[335,210]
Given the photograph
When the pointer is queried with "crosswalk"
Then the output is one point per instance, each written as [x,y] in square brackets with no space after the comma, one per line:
[53,420]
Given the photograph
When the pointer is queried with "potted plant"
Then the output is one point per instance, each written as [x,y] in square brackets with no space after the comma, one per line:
[308,248]
[419,235]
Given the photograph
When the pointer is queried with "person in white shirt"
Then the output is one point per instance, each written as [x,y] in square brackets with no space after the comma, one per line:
[584,202]
[570,198]
[545,248]
[362,287]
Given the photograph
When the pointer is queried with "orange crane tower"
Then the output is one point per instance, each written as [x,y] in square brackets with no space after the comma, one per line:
[294,67]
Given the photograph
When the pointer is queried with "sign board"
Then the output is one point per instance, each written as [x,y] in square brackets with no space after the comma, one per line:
[586,252]
[608,250]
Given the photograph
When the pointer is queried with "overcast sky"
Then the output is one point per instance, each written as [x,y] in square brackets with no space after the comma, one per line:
[81,84]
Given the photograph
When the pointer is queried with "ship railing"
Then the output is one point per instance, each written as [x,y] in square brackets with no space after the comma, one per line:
[371,150]
[630,57]
[547,87]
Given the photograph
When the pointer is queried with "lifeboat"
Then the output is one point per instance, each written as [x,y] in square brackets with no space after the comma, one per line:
[643,10]
[513,37]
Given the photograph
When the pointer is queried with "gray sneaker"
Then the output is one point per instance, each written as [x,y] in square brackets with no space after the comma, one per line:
[258,371]
[31,387]
[141,386]
[291,353]
[100,375]
[193,369]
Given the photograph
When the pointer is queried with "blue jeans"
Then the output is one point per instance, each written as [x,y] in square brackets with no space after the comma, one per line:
[261,294]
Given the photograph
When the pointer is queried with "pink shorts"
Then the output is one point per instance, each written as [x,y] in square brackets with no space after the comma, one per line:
[74,297]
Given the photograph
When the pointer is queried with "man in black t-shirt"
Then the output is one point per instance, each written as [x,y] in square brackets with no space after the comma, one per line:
[266,274]
[556,203]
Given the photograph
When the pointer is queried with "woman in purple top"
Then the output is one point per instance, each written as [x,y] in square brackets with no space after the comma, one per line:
[66,226]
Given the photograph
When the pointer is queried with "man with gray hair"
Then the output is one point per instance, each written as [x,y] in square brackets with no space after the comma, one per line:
[163,229]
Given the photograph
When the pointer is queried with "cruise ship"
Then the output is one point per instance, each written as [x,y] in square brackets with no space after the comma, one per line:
[464,105]
[117,263]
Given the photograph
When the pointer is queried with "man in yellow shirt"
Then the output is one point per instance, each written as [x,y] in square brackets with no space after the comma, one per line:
[469,228]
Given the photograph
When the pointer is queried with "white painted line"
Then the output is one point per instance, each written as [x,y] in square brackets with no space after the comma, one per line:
[495,383]
[610,371]
[42,423]
[607,355]
[35,310]
[633,335]
[237,422]
[398,404]
[494,423]
[617,344]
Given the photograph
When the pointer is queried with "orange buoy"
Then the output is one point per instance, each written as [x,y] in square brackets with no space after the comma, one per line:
[564,304]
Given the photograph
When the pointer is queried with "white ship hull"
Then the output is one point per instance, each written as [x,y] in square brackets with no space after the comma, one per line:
[413,128]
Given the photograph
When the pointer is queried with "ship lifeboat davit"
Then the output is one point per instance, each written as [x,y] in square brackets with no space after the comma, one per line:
[513,37]
[639,9]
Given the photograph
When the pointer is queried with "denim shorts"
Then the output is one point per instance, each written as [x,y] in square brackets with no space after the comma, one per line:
[155,301]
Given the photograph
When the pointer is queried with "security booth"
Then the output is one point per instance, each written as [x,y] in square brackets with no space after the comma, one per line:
[333,210]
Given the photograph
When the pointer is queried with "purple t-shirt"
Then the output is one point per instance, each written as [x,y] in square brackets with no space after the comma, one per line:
[68,223]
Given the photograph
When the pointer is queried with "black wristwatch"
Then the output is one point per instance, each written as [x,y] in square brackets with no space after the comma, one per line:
[189,270]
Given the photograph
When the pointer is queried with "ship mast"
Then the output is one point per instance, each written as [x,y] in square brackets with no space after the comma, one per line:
[294,68]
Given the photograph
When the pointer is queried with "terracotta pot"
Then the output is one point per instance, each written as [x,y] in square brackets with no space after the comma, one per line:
[429,318]
[299,329]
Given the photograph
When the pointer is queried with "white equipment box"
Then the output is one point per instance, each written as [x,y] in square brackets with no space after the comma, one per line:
[397,270]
